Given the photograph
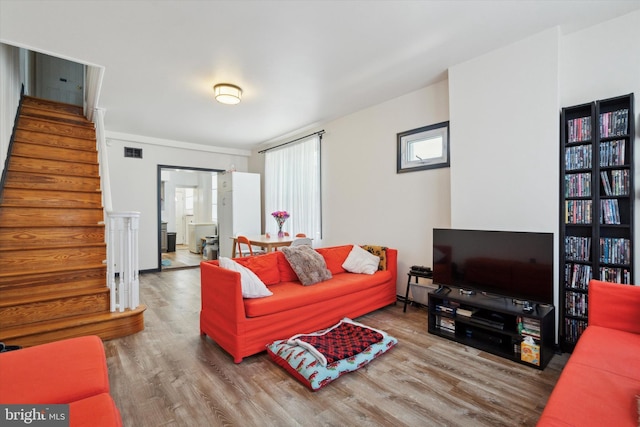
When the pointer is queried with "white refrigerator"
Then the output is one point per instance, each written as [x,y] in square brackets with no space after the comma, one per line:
[238,207]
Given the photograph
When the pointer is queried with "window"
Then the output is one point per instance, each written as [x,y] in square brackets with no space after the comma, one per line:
[292,184]
[424,148]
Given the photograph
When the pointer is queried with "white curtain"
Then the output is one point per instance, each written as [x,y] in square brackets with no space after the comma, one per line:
[292,184]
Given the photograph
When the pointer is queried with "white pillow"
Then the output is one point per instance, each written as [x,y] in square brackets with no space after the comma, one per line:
[252,286]
[361,261]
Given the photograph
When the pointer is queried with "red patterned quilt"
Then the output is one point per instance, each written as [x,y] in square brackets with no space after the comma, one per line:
[342,341]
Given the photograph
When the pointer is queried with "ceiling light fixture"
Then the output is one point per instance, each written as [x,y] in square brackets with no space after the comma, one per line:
[227,93]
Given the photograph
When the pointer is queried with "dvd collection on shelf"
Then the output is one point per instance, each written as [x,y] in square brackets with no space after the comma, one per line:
[610,212]
[615,274]
[579,129]
[578,157]
[618,184]
[575,304]
[611,153]
[577,248]
[577,276]
[573,328]
[614,250]
[578,211]
[577,185]
[614,123]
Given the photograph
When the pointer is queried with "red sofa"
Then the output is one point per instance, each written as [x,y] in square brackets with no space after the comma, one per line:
[601,381]
[244,327]
[71,371]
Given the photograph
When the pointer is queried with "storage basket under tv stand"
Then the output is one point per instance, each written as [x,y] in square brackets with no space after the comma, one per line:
[483,330]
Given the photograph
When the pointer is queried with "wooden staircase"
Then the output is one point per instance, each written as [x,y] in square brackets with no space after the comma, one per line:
[52,233]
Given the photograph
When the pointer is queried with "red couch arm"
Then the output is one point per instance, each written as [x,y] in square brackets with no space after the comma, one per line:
[221,292]
[392,263]
[614,306]
[57,372]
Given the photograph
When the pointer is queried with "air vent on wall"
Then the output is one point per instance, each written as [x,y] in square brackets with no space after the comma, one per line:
[135,153]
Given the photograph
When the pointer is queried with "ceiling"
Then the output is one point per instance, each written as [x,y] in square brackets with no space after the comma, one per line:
[299,63]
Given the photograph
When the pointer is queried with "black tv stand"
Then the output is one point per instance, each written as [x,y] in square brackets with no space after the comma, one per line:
[494,324]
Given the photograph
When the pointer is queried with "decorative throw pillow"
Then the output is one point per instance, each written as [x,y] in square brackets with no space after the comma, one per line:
[252,286]
[286,272]
[265,266]
[379,251]
[307,263]
[334,257]
[361,261]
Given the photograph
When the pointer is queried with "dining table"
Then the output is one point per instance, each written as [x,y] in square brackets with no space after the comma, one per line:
[268,242]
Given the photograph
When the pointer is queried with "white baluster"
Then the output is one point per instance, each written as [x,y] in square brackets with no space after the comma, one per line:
[111,275]
[121,282]
[123,240]
[135,284]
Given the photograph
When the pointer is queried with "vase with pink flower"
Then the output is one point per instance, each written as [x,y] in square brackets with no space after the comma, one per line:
[280,217]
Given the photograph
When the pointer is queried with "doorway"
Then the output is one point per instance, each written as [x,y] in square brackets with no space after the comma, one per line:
[59,80]
[187,208]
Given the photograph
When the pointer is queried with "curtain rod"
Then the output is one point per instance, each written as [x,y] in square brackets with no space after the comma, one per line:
[319,133]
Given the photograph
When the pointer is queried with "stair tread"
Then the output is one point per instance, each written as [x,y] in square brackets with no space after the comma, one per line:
[66,161]
[53,270]
[53,127]
[55,152]
[57,147]
[57,246]
[54,120]
[75,321]
[14,300]
[52,115]
[50,104]
[35,136]
[52,207]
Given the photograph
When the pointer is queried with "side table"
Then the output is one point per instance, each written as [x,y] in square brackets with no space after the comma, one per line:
[428,274]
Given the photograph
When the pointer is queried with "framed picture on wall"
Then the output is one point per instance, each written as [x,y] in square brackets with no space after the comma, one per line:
[423,148]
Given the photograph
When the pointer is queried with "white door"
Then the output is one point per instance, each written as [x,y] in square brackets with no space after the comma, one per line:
[59,80]
[181,239]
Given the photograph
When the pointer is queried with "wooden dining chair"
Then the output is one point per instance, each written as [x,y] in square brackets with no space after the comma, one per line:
[243,240]
[301,241]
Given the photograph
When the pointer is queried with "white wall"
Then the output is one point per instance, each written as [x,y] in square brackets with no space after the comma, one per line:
[602,62]
[134,182]
[504,138]
[364,200]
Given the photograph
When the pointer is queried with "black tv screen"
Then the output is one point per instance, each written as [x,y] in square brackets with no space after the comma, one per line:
[513,264]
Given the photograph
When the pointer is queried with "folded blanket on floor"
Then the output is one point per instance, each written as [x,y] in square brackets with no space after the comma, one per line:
[341,341]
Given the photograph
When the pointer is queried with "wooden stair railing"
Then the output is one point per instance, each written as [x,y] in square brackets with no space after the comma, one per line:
[53,276]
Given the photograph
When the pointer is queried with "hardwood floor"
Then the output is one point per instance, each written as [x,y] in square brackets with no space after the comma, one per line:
[167,375]
[180,258]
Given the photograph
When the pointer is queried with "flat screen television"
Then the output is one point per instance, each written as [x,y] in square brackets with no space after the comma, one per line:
[512,264]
